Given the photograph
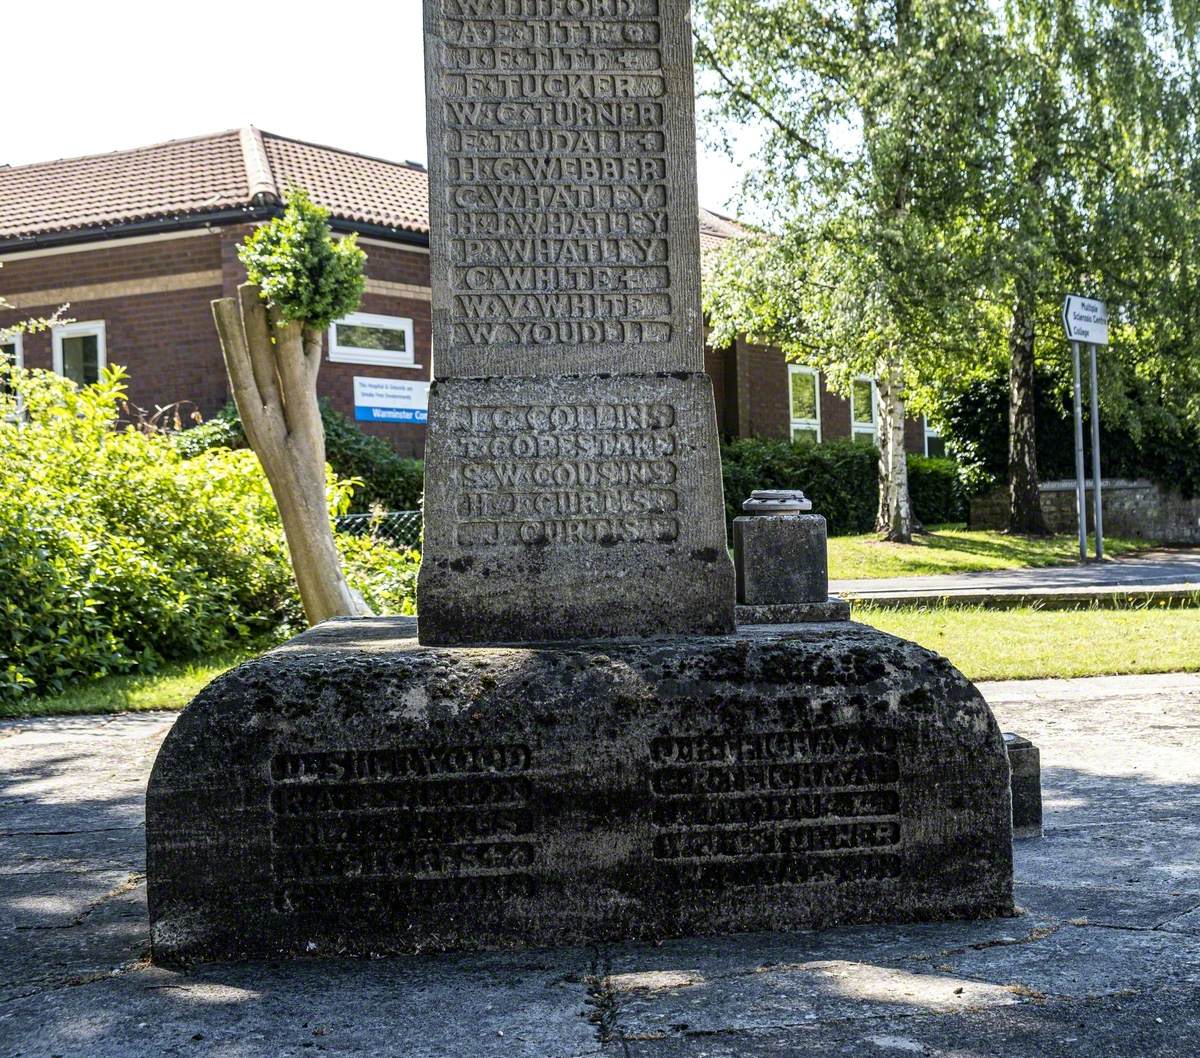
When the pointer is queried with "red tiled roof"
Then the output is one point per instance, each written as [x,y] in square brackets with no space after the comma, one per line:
[198,175]
[206,174]
[238,169]
[353,186]
[715,229]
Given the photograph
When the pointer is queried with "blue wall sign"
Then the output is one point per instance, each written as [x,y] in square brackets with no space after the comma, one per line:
[390,400]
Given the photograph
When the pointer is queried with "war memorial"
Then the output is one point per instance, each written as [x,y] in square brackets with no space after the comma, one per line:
[594,730]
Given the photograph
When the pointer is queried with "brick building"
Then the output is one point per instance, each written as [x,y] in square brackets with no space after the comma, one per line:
[139,242]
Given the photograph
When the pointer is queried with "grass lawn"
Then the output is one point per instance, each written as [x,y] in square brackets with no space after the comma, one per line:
[1030,643]
[953,549]
[985,644]
[172,687]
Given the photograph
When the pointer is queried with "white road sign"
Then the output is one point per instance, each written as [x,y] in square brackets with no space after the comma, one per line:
[1085,320]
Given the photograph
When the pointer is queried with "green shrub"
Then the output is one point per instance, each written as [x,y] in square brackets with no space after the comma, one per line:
[1147,441]
[840,477]
[223,430]
[387,480]
[117,553]
[386,576]
[301,270]
[936,490]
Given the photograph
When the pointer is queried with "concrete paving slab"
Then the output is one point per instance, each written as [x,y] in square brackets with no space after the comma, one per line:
[1188,922]
[106,937]
[1163,1025]
[1104,959]
[518,1006]
[28,902]
[1127,908]
[1081,961]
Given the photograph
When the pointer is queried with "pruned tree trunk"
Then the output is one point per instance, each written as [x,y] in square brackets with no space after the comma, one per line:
[894,520]
[273,368]
[1024,501]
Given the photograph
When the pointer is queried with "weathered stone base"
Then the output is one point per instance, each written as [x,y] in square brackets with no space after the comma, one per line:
[832,609]
[354,792]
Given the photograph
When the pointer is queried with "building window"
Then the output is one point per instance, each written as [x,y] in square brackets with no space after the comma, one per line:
[934,444]
[79,351]
[11,355]
[805,396]
[862,410]
[363,338]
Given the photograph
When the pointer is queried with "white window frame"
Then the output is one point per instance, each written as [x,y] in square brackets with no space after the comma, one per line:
[349,354]
[859,427]
[805,424]
[80,330]
[17,340]
[929,432]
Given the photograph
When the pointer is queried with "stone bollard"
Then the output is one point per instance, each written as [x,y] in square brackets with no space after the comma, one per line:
[781,562]
[1026,763]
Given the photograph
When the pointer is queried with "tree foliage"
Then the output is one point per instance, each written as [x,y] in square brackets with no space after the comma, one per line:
[874,160]
[304,274]
[872,157]
[943,173]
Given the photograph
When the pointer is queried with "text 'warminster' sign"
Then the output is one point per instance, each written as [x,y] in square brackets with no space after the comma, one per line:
[1085,320]
[390,400]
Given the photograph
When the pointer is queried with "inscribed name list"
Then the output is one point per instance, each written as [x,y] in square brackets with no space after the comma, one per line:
[562,176]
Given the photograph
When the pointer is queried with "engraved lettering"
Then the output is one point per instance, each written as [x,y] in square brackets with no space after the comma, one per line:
[785,807]
[419,817]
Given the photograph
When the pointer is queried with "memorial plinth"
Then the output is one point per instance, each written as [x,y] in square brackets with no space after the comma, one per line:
[573,743]
[354,792]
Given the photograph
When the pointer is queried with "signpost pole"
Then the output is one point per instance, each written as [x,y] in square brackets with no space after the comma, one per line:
[1086,320]
[1080,488]
[1096,456]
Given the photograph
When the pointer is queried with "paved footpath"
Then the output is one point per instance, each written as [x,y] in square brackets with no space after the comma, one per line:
[1148,575]
[1103,960]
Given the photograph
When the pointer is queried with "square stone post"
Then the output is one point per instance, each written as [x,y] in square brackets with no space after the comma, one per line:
[573,480]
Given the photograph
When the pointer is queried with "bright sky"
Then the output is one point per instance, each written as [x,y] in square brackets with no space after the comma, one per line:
[84,78]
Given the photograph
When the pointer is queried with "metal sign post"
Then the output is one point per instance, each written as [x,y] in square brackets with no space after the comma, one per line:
[1099,516]
[1080,487]
[1086,320]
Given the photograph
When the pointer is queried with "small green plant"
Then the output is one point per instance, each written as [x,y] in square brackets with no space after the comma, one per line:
[306,275]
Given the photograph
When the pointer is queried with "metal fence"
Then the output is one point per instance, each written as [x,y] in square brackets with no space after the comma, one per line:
[401,528]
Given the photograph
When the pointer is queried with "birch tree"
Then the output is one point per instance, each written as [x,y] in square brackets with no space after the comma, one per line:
[1096,191]
[878,129]
[300,281]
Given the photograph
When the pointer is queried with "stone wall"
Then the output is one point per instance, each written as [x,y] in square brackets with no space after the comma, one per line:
[1131,508]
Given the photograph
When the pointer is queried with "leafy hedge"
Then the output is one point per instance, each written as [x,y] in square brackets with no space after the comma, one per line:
[936,489]
[840,477]
[388,480]
[116,552]
[1149,442]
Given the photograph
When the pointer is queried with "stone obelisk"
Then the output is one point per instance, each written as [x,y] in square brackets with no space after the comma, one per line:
[573,481]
